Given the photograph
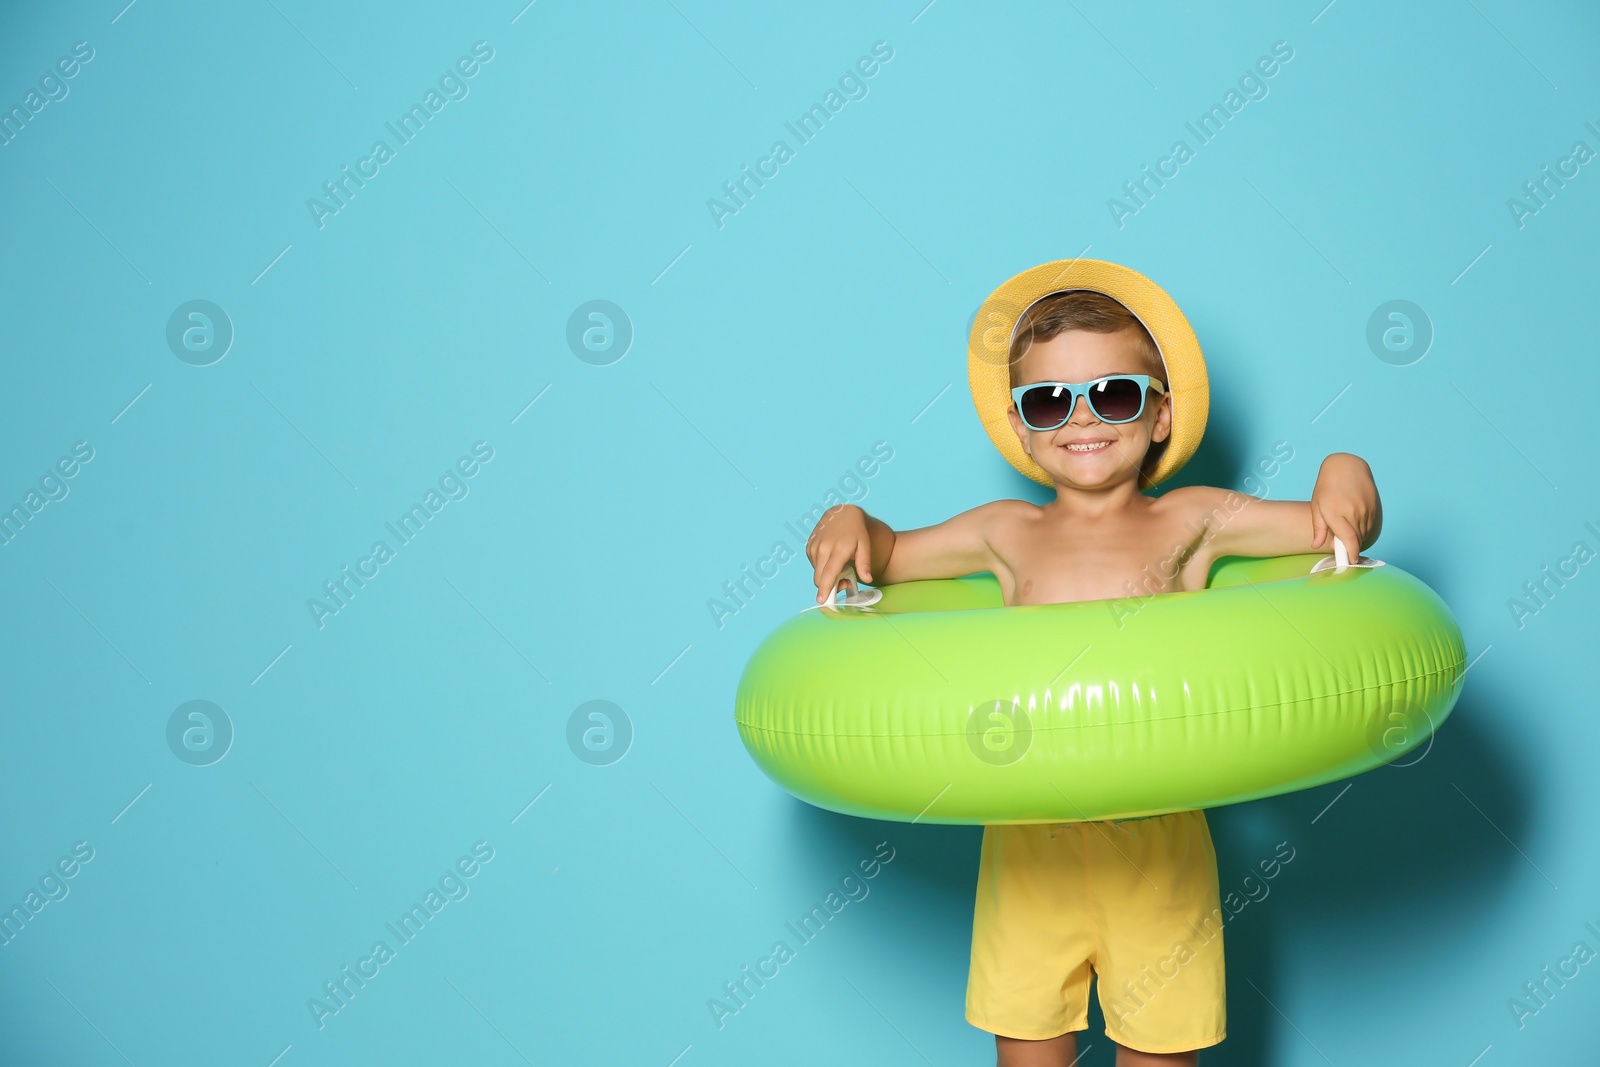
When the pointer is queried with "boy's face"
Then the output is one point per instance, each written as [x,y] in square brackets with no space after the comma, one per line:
[1084,452]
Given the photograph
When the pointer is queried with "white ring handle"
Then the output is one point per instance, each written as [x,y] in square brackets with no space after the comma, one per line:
[857,596]
[1341,560]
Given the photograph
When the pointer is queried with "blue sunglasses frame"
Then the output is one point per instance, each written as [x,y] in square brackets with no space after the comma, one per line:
[1077,389]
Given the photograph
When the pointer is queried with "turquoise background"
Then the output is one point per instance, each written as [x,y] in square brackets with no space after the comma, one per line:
[768,355]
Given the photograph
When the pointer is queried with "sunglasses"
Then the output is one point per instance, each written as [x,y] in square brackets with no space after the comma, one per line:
[1114,398]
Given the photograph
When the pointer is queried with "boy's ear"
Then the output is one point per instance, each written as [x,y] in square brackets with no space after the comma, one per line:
[1163,424]
[1018,428]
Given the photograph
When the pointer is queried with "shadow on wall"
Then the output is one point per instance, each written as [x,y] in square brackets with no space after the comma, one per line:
[935,872]
[1220,460]
[1400,838]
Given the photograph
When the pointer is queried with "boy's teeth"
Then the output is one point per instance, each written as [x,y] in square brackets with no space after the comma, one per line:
[1087,448]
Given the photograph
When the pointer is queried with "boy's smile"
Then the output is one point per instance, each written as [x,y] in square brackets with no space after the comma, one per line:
[1085,452]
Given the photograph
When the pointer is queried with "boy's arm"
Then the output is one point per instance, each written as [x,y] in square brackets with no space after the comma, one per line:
[1344,504]
[847,534]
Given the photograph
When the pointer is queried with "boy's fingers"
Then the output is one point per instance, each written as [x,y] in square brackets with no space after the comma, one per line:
[823,576]
[1318,528]
[864,560]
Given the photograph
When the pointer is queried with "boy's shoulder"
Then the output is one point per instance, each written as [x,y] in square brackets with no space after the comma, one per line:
[998,516]
[1008,510]
[1201,500]
[1192,496]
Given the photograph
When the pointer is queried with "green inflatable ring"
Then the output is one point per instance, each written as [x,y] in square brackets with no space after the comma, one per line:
[940,705]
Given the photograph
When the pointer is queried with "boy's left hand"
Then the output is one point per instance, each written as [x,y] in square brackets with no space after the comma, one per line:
[1345,503]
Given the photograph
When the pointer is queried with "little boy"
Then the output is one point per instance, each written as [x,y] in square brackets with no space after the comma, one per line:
[1101,399]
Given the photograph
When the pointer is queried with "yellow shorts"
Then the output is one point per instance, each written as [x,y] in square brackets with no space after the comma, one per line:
[1134,902]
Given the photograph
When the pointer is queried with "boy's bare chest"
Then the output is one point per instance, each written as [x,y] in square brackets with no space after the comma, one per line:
[1156,554]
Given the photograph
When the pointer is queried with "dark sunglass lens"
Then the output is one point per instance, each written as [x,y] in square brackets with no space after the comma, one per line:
[1116,399]
[1047,406]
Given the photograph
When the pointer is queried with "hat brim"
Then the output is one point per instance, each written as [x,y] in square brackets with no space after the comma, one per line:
[989,349]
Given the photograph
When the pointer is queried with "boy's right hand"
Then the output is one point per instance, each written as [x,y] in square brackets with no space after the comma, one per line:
[841,537]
